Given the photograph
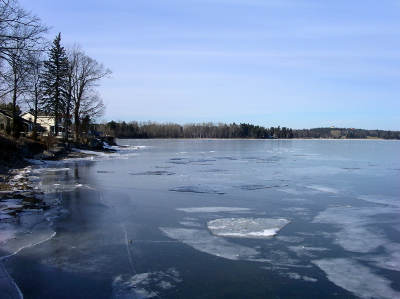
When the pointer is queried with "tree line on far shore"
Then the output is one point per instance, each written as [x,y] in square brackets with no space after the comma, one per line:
[151,129]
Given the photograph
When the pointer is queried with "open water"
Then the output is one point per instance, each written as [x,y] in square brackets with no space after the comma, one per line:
[216,219]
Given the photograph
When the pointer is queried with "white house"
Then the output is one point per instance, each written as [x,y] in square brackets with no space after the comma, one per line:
[46,122]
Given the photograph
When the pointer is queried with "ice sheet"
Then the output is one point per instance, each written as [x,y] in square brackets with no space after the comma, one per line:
[356,278]
[361,237]
[246,227]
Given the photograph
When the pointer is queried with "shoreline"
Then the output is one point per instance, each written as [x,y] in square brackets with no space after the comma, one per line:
[22,208]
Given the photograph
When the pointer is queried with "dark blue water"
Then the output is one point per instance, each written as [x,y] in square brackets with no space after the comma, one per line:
[134,224]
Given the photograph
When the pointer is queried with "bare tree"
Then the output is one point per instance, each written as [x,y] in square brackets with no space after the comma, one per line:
[91,107]
[85,76]
[35,90]
[12,16]
[15,77]
[20,35]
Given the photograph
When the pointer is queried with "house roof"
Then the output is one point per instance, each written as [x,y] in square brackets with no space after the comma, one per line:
[9,115]
[40,114]
[6,113]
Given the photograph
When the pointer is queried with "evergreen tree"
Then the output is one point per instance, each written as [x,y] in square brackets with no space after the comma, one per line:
[55,81]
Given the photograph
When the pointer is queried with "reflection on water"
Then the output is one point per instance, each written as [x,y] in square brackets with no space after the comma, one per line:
[135,222]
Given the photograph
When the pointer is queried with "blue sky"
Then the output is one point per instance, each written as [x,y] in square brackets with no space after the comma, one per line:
[299,64]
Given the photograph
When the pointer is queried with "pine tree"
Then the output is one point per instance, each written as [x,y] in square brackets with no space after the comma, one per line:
[55,81]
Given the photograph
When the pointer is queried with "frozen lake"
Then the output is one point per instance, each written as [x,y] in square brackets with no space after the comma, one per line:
[217,219]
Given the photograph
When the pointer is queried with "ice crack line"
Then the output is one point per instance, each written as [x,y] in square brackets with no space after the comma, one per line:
[259,280]
[127,248]
[27,246]
[98,192]
[130,258]
[13,282]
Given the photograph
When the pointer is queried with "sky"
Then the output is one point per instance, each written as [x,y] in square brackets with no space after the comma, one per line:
[293,63]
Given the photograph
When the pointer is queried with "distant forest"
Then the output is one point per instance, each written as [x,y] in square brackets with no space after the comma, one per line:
[150,129]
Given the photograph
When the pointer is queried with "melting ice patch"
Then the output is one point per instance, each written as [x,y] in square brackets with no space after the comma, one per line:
[320,188]
[304,251]
[246,227]
[360,239]
[212,209]
[290,239]
[390,261]
[356,278]
[299,277]
[50,169]
[145,285]
[357,233]
[205,242]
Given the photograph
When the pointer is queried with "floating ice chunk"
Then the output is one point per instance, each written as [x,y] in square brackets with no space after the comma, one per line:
[310,279]
[298,276]
[356,278]
[145,285]
[246,227]
[212,209]
[294,275]
[205,242]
